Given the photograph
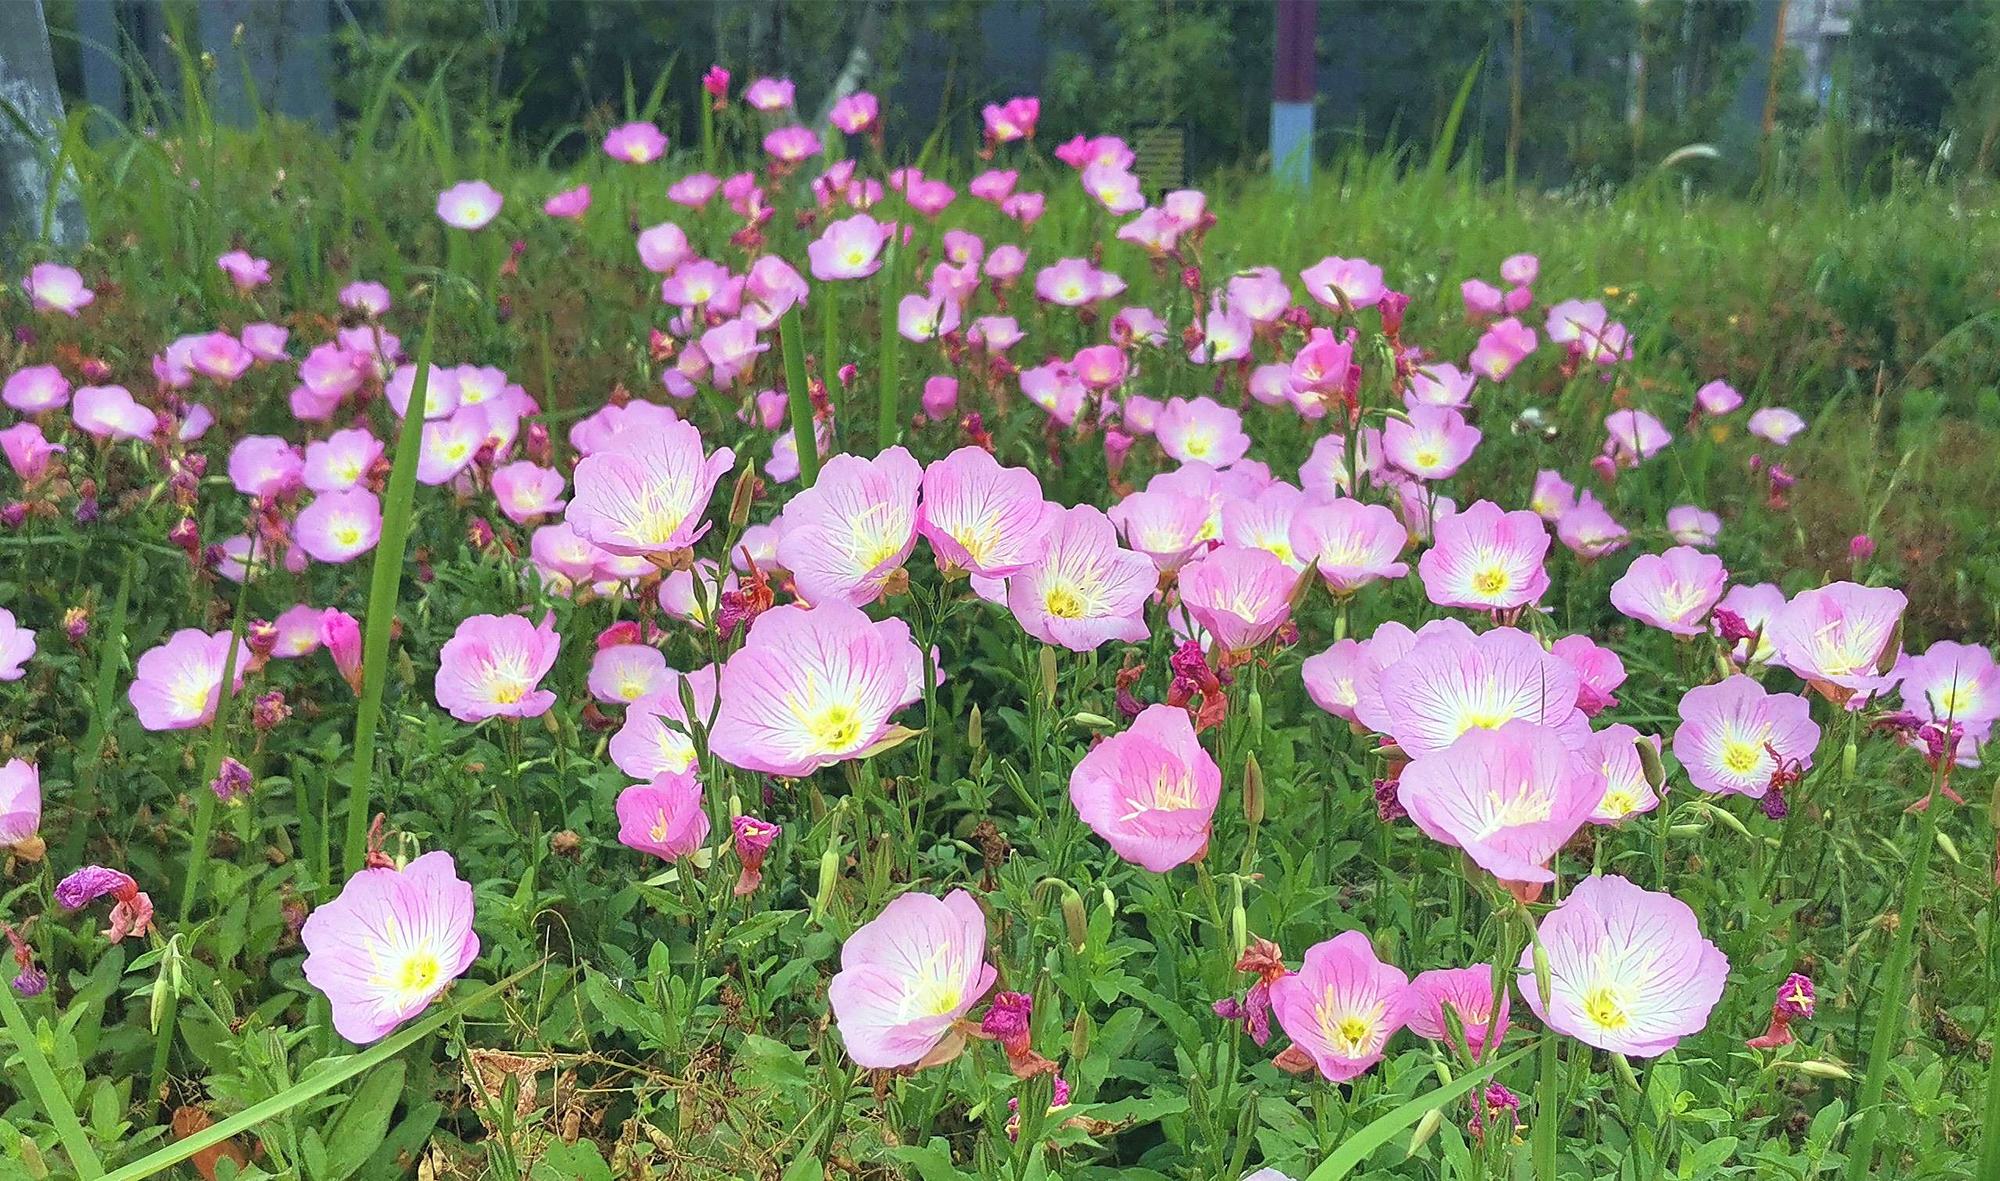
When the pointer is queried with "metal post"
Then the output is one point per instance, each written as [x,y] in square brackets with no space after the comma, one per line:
[1294,84]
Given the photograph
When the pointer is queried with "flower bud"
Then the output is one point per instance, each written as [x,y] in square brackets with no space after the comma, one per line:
[1074,919]
[1253,791]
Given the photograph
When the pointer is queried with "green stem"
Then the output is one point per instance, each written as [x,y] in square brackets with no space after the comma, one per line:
[204,799]
[791,338]
[48,1092]
[384,585]
[889,420]
[1889,1021]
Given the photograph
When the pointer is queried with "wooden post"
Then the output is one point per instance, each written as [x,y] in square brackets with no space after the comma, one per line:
[1514,73]
[1771,91]
[28,148]
[1294,85]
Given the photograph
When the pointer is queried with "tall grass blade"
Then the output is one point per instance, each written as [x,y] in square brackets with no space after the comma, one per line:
[1356,1149]
[791,338]
[48,1092]
[385,581]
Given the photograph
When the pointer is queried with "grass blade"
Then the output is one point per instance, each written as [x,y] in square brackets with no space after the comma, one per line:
[1379,1131]
[791,337]
[166,1158]
[48,1092]
[385,582]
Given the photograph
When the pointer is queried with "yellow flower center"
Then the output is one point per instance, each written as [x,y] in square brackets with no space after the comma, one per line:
[1606,1008]
[837,728]
[1741,757]
[419,973]
[1063,602]
[1618,803]
[1491,581]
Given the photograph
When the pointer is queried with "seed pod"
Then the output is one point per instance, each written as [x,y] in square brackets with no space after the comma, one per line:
[1256,713]
[975,729]
[1848,756]
[1079,1036]
[829,876]
[740,498]
[1048,658]
[1253,791]
[1649,762]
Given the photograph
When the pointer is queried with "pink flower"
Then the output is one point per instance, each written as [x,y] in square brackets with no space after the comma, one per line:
[1072,282]
[1166,526]
[265,465]
[663,248]
[845,534]
[983,518]
[20,805]
[767,94]
[656,738]
[1598,669]
[178,684]
[907,977]
[731,348]
[1673,591]
[849,249]
[791,145]
[1510,798]
[1776,424]
[694,190]
[645,492]
[1752,607]
[468,205]
[1429,442]
[1150,791]
[1055,388]
[1201,431]
[1717,397]
[390,944]
[1239,595]
[1503,346]
[1353,543]
[28,451]
[570,204]
[368,298]
[1440,383]
[35,389]
[108,412]
[1629,971]
[526,492]
[1626,789]
[1842,635]
[1574,321]
[339,526]
[1085,589]
[244,271]
[665,817]
[440,391]
[1113,187]
[341,634]
[52,287]
[1267,520]
[1950,682]
[266,342]
[1552,496]
[341,461]
[810,688]
[17,647]
[1486,558]
[448,446]
[994,185]
[1012,120]
[1332,280]
[493,665]
[1733,736]
[1453,683]
[635,143]
[1632,436]
[1520,269]
[1342,1006]
[855,113]
[1468,993]
[1589,529]
[1691,525]
[1483,301]
[921,318]
[940,396]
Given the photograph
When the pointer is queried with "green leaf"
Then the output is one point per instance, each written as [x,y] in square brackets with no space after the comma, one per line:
[364,1121]
[931,1161]
[1357,1148]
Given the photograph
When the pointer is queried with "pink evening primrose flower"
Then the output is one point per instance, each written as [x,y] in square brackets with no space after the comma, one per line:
[983,518]
[52,287]
[267,342]
[1266,520]
[468,205]
[17,647]
[1453,682]
[1599,672]
[1086,588]
[339,526]
[390,944]
[265,465]
[664,817]
[1352,543]
[1633,436]
[1485,558]
[493,665]
[1717,397]
[1754,606]
[907,977]
[1841,637]
[1552,496]
[856,113]
[341,460]
[1950,682]
[28,451]
[1735,735]
[810,688]
[35,389]
[1239,595]
[854,527]
[1201,431]
[108,412]
[1510,798]
[1429,442]
[769,94]
[694,190]
[657,737]
[1777,424]
[850,248]
[1440,383]
[646,490]
[1483,300]
[635,143]
[1333,280]
[527,492]
[1520,269]
[246,272]
[792,145]
[20,805]
[1150,791]
[1502,347]
[1692,525]
[1673,591]
[1166,526]
[1342,1006]
[367,297]
[178,684]
[1626,789]
[1468,993]
[1629,971]
[1012,120]
[1589,529]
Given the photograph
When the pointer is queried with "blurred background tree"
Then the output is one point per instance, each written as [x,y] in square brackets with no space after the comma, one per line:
[1607,88]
